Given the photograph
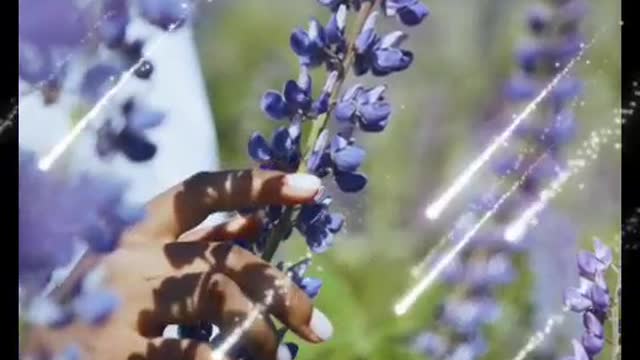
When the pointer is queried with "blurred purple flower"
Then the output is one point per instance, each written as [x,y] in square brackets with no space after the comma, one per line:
[86,209]
[166,14]
[410,12]
[130,138]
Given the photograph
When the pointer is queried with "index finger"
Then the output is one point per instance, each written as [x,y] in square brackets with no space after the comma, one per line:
[187,204]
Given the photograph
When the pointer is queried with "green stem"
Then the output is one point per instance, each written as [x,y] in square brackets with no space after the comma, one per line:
[277,234]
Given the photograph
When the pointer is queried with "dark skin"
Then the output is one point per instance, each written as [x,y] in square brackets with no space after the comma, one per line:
[167,273]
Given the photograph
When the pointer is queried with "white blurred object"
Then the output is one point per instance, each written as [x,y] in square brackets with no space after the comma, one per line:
[186,140]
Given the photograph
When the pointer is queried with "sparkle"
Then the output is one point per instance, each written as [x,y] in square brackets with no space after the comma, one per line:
[54,154]
[410,298]
[434,210]
[591,148]
[220,352]
[539,336]
[515,231]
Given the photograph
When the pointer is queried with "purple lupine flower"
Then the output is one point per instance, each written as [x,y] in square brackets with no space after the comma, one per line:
[318,225]
[166,14]
[327,153]
[116,18]
[539,18]
[366,108]
[469,350]
[282,153]
[380,55]
[466,315]
[130,138]
[321,45]
[410,12]
[592,299]
[98,80]
[310,285]
[38,27]
[521,88]
[592,264]
[485,264]
[55,217]
[46,42]
[430,344]
[334,5]
[295,100]
[342,158]
[82,209]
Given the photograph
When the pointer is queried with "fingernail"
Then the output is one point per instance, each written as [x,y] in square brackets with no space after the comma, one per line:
[283,353]
[321,325]
[302,184]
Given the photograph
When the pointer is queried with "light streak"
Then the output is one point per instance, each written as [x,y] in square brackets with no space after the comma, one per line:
[434,210]
[539,336]
[414,293]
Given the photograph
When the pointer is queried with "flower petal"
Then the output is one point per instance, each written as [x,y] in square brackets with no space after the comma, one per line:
[135,146]
[602,253]
[350,182]
[592,344]
[393,39]
[140,117]
[300,42]
[414,14]
[375,94]
[335,27]
[259,149]
[336,222]
[600,298]
[391,60]
[309,215]
[592,324]
[521,89]
[295,96]
[587,264]
[576,301]
[311,286]
[318,239]
[349,158]
[282,144]
[365,41]
[431,344]
[166,14]
[274,105]
[344,111]
[374,117]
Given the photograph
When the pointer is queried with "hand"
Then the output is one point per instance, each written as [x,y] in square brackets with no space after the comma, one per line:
[166,274]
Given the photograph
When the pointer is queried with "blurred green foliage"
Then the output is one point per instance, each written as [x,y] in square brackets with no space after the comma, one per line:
[463,55]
